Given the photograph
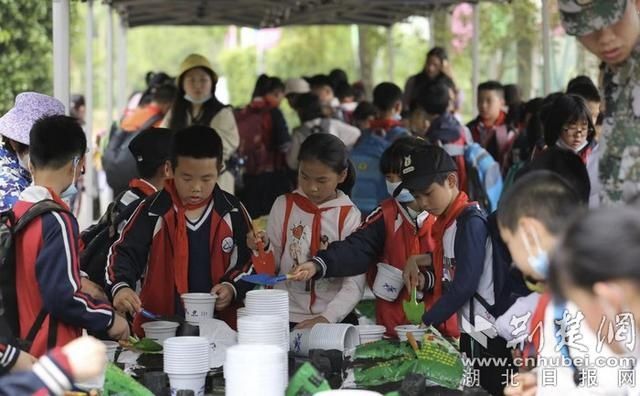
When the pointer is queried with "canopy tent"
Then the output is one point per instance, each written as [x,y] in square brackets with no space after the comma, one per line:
[271,13]
[248,13]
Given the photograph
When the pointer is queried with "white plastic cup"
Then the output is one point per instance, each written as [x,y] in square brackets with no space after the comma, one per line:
[160,330]
[388,282]
[194,382]
[402,330]
[112,347]
[198,306]
[340,336]
[370,333]
[299,341]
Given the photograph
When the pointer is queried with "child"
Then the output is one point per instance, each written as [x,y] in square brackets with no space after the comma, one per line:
[150,149]
[264,142]
[162,99]
[531,216]
[185,239]
[322,87]
[568,126]
[49,300]
[387,97]
[611,30]
[596,296]
[304,222]
[490,128]
[14,150]
[604,295]
[395,231]
[462,259]
[312,120]
[293,88]
[363,115]
[83,359]
[585,88]
[444,129]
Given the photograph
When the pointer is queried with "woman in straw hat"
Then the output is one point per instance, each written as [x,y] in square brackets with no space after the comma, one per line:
[196,104]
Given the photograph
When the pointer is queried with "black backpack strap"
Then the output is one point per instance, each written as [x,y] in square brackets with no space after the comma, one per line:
[150,122]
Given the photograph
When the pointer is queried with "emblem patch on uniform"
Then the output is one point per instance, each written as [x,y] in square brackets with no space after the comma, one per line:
[227,244]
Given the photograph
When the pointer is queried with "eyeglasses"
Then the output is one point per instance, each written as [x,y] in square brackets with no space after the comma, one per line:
[574,130]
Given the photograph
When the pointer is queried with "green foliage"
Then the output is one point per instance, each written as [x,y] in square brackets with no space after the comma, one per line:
[239,67]
[25,45]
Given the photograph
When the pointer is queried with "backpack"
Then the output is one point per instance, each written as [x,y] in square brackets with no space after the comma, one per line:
[9,320]
[256,148]
[99,238]
[370,188]
[508,282]
[117,161]
[484,177]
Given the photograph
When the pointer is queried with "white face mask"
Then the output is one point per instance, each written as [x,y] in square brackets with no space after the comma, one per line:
[23,161]
[188,98]
[71,191]
[561,144]
[404,196]
[538,260]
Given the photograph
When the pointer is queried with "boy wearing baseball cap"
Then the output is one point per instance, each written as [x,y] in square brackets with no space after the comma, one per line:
[610,29]
[462,259]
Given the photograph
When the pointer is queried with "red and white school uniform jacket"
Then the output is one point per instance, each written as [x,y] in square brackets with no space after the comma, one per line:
[48,276]
[145,250]
[290,230]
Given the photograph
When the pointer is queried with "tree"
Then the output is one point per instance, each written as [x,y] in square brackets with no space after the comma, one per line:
[25,45]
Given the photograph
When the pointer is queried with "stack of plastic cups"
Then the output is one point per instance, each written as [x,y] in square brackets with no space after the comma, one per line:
[270,302]
[255,369]
[264,330]
[186,361]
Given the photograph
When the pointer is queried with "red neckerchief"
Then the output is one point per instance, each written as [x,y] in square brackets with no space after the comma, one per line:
[55,197]
[385,124]
[181,242]
[144,186]
[585,153]
[316,231]
[441,224]
[536,320]
[499,121]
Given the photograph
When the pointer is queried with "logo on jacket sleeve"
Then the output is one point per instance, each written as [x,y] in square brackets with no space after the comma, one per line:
[227,244]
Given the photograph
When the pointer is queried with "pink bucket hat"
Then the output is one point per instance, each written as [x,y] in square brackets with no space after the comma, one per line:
[29,107]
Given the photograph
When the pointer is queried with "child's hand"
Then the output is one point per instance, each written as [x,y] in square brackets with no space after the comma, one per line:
[127,301]
[120,328]
[87,358]
[411,273]
[303,272]
[307,324]
[253,239]
[225,295]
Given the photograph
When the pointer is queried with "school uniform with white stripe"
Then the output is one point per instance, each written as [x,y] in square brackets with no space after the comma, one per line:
[48,277]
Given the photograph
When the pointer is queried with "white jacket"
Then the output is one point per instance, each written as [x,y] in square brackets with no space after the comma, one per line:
[587,358]
[336,297]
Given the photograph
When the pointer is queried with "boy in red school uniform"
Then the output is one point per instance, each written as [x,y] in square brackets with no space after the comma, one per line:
[47,263]
[490,128]
[190,237]
[387,97]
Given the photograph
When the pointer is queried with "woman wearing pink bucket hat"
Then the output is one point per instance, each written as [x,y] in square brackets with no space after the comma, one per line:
[196,104]
[15,126]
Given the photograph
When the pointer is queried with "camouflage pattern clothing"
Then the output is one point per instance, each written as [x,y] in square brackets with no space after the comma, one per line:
[620,141]
[620,163]
[581,17]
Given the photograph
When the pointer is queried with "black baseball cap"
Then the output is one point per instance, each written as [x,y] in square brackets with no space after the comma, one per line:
[423,165]
[152,145]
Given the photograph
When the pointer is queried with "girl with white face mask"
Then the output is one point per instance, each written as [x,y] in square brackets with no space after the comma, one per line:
[196,104]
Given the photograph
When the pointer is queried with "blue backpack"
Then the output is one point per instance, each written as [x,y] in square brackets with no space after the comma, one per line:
[370,188]
[484,177]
